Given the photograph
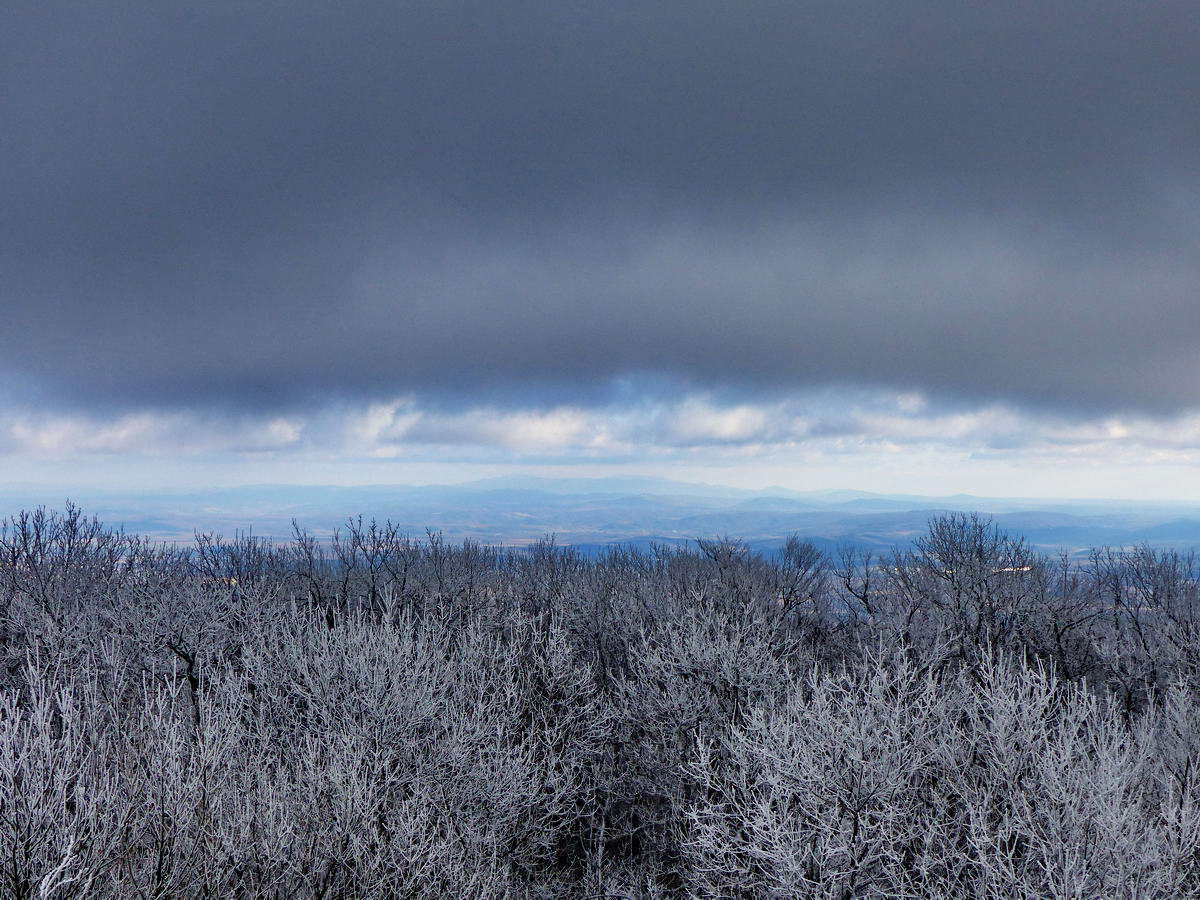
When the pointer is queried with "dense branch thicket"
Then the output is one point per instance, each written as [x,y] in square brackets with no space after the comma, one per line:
[377,717]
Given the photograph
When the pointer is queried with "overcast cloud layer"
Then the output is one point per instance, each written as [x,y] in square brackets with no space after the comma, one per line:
[265,206]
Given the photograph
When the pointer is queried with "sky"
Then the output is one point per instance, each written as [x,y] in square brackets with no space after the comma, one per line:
[915,247]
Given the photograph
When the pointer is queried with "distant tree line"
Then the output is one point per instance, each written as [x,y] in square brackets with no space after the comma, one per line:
[374,716]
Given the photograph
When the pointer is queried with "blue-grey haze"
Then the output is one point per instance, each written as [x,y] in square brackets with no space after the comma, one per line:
[594,514]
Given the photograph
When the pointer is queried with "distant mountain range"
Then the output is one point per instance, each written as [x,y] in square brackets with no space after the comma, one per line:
[593,513]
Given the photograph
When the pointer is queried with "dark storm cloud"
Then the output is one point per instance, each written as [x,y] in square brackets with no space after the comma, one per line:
[255,204]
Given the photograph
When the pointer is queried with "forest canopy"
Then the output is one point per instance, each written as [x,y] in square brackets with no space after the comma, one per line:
[379,716]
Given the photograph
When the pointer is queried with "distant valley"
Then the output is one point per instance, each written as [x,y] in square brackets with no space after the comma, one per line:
[594,513]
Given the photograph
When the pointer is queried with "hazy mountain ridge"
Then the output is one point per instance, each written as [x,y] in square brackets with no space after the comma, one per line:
[596,512]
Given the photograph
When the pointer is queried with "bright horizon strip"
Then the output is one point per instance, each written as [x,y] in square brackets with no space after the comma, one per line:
[880,441]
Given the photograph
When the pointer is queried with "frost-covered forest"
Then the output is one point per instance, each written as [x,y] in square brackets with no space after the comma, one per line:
[377,717]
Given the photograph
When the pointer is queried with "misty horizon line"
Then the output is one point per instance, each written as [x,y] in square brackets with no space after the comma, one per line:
[631,484]
[595,514]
